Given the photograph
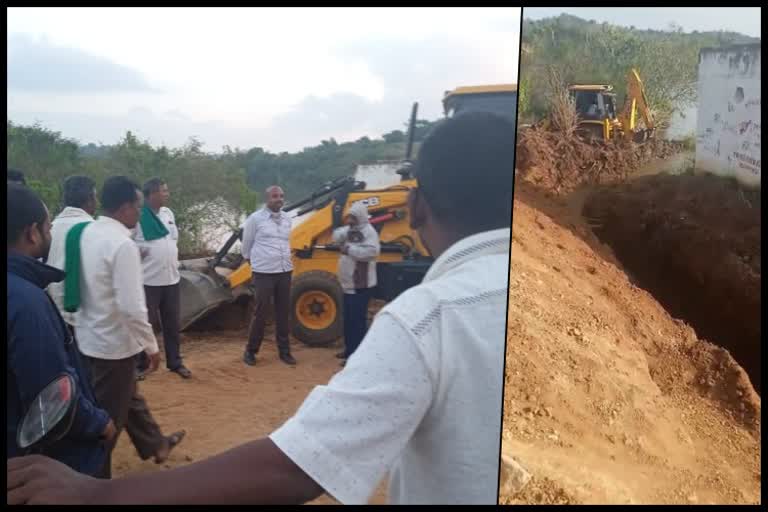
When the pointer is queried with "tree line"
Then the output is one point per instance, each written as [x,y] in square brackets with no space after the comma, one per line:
[199,181]
[583,51]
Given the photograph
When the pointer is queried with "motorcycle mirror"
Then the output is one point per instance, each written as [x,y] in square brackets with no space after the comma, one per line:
[50,414]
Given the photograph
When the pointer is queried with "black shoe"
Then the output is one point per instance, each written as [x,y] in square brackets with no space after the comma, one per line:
[288,359]
[183,371]
[249,359]
[341,355]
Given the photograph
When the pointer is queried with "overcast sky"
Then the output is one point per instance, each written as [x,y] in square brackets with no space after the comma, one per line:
[745,20]
[279,78]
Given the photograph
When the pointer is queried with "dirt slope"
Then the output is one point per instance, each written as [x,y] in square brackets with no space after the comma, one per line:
[607,398]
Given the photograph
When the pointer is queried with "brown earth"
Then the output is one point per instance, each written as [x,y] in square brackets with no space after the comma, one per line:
[694,243]
[227,403]
[560,165]
[608,398]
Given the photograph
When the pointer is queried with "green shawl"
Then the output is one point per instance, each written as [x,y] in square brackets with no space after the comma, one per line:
[151,226]
[72,267]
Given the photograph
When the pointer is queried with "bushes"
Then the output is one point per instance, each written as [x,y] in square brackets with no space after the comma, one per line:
[207,189]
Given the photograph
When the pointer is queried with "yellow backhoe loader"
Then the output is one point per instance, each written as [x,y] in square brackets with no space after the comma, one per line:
[500,99]
[316,295]
[599,118]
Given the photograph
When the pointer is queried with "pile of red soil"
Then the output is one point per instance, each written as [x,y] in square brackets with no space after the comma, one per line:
[560,164]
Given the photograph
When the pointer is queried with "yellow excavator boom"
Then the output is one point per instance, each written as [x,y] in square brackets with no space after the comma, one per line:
[636,101]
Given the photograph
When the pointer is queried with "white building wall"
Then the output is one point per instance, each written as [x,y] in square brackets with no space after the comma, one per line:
[728,120]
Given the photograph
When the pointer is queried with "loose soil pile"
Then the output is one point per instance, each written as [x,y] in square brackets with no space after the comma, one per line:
[560,165]
[608,398]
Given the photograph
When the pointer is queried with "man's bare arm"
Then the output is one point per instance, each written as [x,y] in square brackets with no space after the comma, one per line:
[257,472]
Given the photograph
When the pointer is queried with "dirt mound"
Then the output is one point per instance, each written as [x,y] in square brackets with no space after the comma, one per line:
[694,243]
[608,399]
[559,165]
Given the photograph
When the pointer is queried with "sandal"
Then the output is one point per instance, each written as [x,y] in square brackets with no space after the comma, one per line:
[173,441]
[183,371]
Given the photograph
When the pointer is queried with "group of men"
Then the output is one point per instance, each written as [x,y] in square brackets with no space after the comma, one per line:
[84,311]
[421,398]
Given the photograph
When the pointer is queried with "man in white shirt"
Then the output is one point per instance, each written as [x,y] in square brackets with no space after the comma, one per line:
[156,235]
[420,400]
[266,243]
[112,325]
[79,206]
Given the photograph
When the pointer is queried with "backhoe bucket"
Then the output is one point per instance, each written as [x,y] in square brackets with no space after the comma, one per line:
[201,294]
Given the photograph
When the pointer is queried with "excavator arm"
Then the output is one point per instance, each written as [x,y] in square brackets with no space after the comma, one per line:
[635,102]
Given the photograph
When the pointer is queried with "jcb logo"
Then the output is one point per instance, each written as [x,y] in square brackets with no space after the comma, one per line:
[370,201]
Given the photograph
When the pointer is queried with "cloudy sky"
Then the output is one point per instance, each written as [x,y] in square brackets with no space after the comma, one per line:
[279,78]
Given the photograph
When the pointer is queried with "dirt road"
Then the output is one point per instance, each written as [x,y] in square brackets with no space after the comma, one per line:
[226,402]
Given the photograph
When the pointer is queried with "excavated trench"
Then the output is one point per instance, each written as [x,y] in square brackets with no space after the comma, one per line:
[694,243]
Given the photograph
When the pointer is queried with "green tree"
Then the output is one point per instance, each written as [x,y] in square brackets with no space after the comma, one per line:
[586,52]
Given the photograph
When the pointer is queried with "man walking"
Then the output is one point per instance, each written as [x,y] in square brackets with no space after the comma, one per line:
[157,236]
[79,207]
[420,400]
[266,235]
[112,325]
[360,247]
[40,347]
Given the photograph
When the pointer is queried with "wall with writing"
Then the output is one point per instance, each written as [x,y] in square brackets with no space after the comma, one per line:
[728,118]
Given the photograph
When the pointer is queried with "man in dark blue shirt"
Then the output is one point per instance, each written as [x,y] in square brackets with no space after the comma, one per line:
[40,346]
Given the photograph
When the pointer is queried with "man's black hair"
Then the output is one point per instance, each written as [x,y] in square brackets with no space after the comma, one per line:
[465,170]
[16,176]
[24,209]
[78,191]
[151,186]
[117,191]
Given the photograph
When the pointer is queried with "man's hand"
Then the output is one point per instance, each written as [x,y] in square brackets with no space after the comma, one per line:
[154,362]
[109,432]
[38,480]
[345,249]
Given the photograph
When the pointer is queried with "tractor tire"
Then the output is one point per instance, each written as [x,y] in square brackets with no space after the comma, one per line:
[316,308]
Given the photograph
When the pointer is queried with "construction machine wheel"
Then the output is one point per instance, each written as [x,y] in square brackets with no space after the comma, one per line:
[316,308]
